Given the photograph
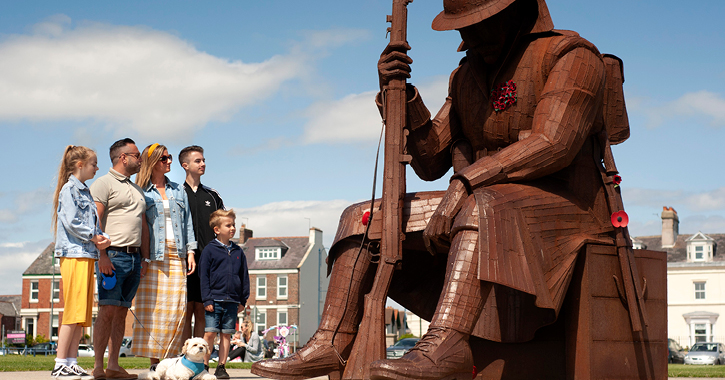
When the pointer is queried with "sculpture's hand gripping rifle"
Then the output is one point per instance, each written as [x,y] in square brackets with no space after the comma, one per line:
[370,342]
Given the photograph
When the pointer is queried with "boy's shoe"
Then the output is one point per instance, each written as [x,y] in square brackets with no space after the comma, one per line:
[78,370]
[206,367]
[62,371]
[221,372]
[153,367]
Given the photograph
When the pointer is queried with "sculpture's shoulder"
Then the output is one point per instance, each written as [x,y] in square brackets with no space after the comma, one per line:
[553,45]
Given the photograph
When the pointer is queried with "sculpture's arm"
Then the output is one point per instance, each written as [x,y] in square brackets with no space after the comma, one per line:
[567,109]
[430,140]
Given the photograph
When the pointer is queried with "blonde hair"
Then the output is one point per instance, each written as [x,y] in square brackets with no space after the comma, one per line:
[147,164]
[215,219]
[72,155]
[248,333]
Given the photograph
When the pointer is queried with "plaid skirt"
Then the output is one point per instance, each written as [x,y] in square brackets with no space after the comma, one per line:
[160,307]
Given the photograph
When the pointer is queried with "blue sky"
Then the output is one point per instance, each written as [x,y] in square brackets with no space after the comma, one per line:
[280,95]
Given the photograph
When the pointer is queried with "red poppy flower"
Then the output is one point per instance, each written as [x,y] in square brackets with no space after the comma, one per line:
[366,218]
[475,371]
[503,95]
[617,179]
[620,219]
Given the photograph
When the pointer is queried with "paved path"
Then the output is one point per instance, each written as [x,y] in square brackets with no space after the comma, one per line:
[233,373]
[45,375]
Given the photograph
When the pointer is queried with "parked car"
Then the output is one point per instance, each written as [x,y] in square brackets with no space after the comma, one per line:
[706,353]
[675,352]
[125,348]
[400,348]
[47,348]
[85,351]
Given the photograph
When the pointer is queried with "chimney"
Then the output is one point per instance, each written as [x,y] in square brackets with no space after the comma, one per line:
[670,227]
[315,236]
[245,234]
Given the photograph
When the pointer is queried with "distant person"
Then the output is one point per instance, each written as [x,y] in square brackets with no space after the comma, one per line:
[121,205]
[78,237]
[168,254]
[224,285]
[203,201]
[248,345]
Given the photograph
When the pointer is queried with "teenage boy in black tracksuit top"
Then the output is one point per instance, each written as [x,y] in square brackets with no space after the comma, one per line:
[224,285]
[203,201]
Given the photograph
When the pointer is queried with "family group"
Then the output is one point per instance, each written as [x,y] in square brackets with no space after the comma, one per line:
[166,246]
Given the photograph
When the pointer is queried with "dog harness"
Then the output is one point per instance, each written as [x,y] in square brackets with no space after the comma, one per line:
[195,367]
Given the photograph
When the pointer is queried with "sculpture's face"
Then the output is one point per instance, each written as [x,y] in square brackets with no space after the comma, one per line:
[487,38]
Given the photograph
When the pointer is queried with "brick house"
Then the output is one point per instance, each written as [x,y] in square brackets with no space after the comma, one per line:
[10,313]
[36,304]
[288,282]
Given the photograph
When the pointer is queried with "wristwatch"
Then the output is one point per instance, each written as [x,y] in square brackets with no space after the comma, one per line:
[147,260]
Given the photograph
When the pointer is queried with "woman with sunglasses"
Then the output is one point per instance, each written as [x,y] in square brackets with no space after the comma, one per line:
[167,251]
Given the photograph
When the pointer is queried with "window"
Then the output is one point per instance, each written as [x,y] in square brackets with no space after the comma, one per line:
[30,327]
[55,326]
[261,288]
[282,287]
[56,291]
[34,291]
[268,253]
[700,332]
[699,290]
[282,318]
[261,322]
[699,253]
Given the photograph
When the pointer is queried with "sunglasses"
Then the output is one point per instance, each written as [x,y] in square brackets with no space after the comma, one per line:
[166,159]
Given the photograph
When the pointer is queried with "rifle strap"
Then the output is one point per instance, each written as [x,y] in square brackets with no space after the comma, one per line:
[633,294]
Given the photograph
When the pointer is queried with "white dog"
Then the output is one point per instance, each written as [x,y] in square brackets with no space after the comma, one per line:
[189,366]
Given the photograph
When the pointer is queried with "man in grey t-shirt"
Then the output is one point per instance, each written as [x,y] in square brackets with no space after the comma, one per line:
[121,205]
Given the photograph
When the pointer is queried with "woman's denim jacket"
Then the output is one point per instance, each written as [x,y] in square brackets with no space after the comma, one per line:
[77,222]
[180,219]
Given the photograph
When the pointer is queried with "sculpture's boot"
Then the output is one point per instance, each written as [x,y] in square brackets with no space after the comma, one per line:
[444,352]
[328,349]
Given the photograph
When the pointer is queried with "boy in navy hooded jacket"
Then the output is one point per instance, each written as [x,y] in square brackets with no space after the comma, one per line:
[224,285]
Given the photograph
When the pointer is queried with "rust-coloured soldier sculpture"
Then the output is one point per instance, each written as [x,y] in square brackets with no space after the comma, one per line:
[528,121]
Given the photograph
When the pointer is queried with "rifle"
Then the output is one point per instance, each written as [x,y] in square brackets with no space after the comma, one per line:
[370,342]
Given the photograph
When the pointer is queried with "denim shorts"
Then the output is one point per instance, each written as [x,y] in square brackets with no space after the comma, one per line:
[224,316]
[128,276]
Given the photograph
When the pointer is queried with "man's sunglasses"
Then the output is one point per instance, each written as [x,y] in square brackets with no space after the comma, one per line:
[165,159]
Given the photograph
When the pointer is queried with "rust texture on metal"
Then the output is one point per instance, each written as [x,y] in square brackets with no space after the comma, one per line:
[519,263]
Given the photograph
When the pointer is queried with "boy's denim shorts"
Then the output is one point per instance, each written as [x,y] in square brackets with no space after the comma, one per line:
[128,276]
[224,316]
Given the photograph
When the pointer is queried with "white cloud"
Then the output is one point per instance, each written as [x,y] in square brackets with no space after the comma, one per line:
[694,201]
[356,118]
[27,203]
[352,118]
[714,224]
[289,218]
[16,258]
[127,77]
[703,104]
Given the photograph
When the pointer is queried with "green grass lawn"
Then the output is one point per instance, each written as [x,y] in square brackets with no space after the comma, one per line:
[10,363]
[681,370]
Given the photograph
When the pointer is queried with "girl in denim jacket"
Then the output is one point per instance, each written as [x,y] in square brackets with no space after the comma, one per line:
[78,240]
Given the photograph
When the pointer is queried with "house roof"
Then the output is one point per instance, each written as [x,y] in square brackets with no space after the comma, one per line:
[699,236]
[43,264]
[6,305]
[678,253]
[293,252]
